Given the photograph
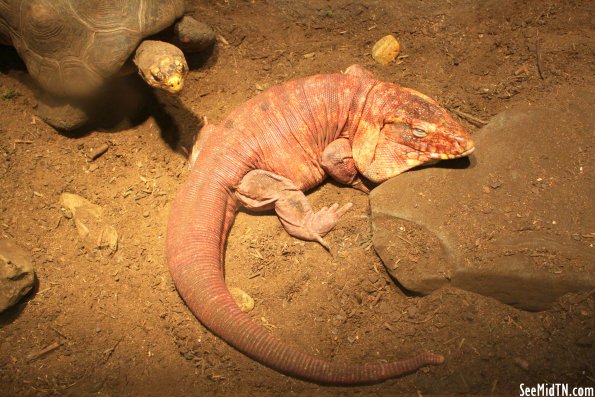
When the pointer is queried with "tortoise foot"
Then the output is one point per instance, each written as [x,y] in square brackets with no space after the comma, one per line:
[60,114]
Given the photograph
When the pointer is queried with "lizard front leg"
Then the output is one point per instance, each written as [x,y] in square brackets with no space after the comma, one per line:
[337,161]
[262,190]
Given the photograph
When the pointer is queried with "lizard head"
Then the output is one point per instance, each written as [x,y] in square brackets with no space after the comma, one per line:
[415,131]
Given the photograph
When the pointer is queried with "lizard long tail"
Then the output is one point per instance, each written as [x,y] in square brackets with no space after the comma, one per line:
[198,226]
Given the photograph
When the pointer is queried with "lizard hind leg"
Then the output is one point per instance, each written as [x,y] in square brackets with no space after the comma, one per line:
[261,190]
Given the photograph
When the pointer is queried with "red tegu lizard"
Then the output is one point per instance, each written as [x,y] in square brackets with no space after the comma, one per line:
[264,155]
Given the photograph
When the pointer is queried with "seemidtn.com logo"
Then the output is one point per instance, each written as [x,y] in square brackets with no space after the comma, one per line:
[555,390]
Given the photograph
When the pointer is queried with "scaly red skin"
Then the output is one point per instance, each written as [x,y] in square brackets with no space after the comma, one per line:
[260,156]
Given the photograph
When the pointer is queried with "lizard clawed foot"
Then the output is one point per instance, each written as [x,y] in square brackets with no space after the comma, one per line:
[318,224]
[359,185]
[259,189]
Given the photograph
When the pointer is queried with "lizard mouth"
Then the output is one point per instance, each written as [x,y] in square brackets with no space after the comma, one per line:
[460,147]
[450,156]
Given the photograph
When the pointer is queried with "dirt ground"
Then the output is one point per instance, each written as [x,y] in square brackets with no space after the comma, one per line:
[116,323]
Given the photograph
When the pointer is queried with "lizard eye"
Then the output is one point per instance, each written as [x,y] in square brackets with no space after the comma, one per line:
[419,133]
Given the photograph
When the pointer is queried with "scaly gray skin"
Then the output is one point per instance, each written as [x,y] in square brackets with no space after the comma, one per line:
[264,155]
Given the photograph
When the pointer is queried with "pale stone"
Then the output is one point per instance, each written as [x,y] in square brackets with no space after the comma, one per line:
[90,225]
[243,300]
[386,49]
[16,273]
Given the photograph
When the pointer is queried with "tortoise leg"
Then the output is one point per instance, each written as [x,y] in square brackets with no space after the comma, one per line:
[193,36]
[61,114]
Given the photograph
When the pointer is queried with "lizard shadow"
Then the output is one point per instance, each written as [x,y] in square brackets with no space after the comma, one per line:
[454,164]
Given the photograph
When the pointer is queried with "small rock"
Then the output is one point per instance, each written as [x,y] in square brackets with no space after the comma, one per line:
[243,300]
[495,185]
[412,312]
[88,218]
[16,273]
[523,364]
[386,49]
[100,151]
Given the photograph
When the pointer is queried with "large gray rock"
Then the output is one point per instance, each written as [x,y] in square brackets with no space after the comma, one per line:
[16,273]
[517,224]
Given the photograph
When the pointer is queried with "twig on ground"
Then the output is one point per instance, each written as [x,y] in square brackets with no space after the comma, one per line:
[538,56]
[44,351]
[21,141]
[108,353]
[404,239]
[472,119]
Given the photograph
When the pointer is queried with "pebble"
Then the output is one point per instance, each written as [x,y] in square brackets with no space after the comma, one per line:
[95,154]
[386,49]
[523,364]
[243,300]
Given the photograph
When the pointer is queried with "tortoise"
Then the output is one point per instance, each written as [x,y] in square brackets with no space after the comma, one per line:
[73,47]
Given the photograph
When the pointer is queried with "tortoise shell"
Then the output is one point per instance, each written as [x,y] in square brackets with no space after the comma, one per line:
[71,46]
